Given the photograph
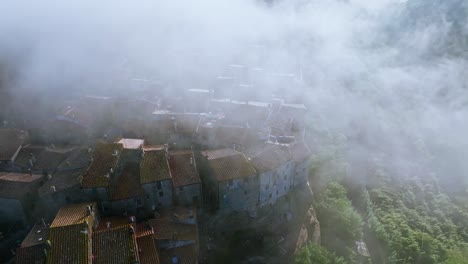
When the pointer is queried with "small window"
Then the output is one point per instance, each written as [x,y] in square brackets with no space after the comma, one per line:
[269,196]
[267,187]
[245,192]
[161,194]
[159,185]
[277,192]
[181,189]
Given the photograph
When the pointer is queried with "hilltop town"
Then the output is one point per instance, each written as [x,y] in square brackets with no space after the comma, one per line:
[154,180]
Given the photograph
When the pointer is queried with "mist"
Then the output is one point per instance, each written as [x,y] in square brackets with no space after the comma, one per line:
[388,89]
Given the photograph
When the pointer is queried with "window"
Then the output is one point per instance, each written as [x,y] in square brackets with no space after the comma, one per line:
[161,194]
[285,177]
[277,192]
[159,185]
[181,189]
[267,187]
[246,180]
[245,192]
[269,196]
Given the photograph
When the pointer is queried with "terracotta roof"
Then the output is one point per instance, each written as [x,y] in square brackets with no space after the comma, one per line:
[147,250]
[31,255]
[183,169]
[62,180]
[78,158]
[115,245]
[41,157]
[230,167]
[218,153]
[127,184]
[154,166]
[115,221]
[178,213]
[68,244]
[185,254]
[106,156]
[164,229]
[299,151]
[37,235]
[131,143]
[10,141]
[72,215]
[16,185]
[268,158]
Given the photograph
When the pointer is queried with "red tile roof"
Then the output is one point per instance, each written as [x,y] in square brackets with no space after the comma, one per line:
[147,250]
[164,229]
[154,166]
[218,153]
[41,157]
[299,151]
[33,254]
[73,214]
[127,184]
[268,158]
[10,141]
[183,169]
[228,167]
[106,156]
[37,235]
[68,245]
[17,185]
[115,245]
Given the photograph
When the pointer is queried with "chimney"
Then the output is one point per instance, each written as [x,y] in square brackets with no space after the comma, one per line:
[49,176]
[108,224]
[191,161]
[53,188]
[88,209]
[30,172]
[111,170]
[33,158]
[174,122]
[132,219]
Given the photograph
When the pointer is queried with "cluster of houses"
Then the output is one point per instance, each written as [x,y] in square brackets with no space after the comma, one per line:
[99,164]
[78,234]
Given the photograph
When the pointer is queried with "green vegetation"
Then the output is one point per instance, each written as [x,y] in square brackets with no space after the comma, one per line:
[313,254]
[418,224]
[402,220]
[340,224]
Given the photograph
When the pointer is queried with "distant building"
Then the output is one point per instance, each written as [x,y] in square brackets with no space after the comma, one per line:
[34,246]
[275,170]
[125,191]
[230,181]
[300,154]
[185,178]
[70,234]
[41,159]
[155,177]
[18,196]
[78,235]
[102,169]
[11,142]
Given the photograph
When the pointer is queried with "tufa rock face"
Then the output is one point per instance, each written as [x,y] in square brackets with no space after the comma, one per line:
[310,230]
